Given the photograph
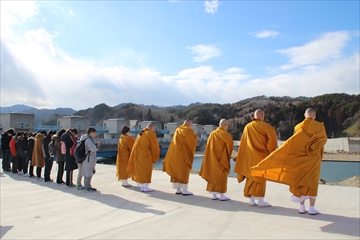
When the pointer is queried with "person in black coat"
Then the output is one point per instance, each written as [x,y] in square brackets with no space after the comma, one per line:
[69,139]
[5,141]
[31,141]
[48,160]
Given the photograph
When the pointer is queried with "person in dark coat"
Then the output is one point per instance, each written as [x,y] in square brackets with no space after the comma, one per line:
[69,139]
[22,146]
[31,141]
[48,159]
[5,148]
[59,156]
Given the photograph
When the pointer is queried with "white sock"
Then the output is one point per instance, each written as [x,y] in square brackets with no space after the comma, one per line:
[302,208]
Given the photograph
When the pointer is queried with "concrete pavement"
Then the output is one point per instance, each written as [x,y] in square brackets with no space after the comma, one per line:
[33,209]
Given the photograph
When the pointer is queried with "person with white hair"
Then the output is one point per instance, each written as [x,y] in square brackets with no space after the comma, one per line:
[215,167]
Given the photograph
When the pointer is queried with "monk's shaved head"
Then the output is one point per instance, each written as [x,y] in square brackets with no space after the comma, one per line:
[188,122]
[150,126]
[259,114]
[223,122]
[310,113]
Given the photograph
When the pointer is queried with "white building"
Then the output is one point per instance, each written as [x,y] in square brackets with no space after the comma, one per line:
[170,128]
[78,122]
[114,126]
[20,122]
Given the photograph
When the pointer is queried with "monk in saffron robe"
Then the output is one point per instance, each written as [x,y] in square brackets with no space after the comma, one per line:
[125,145]
[215,166]
[145,153]
[297,162]
[258,141]
[180,157]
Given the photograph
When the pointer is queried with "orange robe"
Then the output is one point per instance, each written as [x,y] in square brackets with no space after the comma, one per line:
[145,153]
[297,162]
[258,141]
[215,166]
[38,159]
[180,155]
[125,145]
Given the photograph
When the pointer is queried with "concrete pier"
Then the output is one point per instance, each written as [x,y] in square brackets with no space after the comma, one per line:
[33,209]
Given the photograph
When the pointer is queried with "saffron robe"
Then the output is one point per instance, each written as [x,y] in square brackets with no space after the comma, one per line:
[125,145]
[257,141]
[38,159]
[215,166]
[145,153]
[297,162]
[180,155]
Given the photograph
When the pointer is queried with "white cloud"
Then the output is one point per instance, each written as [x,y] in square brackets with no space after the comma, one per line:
[71,12]
[211,6]
[14,13]
[326,47]
[266,34]
[204,52]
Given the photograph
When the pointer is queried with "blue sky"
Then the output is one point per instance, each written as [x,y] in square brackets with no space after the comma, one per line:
[81,53]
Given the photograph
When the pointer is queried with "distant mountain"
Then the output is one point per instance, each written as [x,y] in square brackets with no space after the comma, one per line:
[16,108]
[40,114]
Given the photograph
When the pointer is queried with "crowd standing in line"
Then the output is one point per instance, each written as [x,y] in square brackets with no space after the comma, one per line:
[28,150]
[296,163]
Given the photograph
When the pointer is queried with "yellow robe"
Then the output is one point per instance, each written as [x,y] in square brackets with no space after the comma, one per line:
[297,162]
[38,158]
[180,155]
[215,166]
[258,141]
[125,145]
[145,153]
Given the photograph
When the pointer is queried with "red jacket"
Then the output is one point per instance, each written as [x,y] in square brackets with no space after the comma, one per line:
[13,146]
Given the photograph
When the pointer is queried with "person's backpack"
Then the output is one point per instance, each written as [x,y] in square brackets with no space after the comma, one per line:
[72,149]
[52,148]
[63,147]
[80,152]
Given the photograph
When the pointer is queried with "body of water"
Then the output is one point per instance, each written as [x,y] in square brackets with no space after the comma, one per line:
[330,171]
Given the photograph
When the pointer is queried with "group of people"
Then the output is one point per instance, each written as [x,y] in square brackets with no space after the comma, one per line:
[24,151]
[296,163]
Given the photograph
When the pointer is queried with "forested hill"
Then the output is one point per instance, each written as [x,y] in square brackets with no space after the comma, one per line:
[339,112]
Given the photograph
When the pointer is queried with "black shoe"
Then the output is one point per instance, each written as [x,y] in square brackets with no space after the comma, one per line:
[50,180]
[94,189]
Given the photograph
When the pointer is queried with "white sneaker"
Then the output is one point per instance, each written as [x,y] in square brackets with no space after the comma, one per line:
[26,175]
